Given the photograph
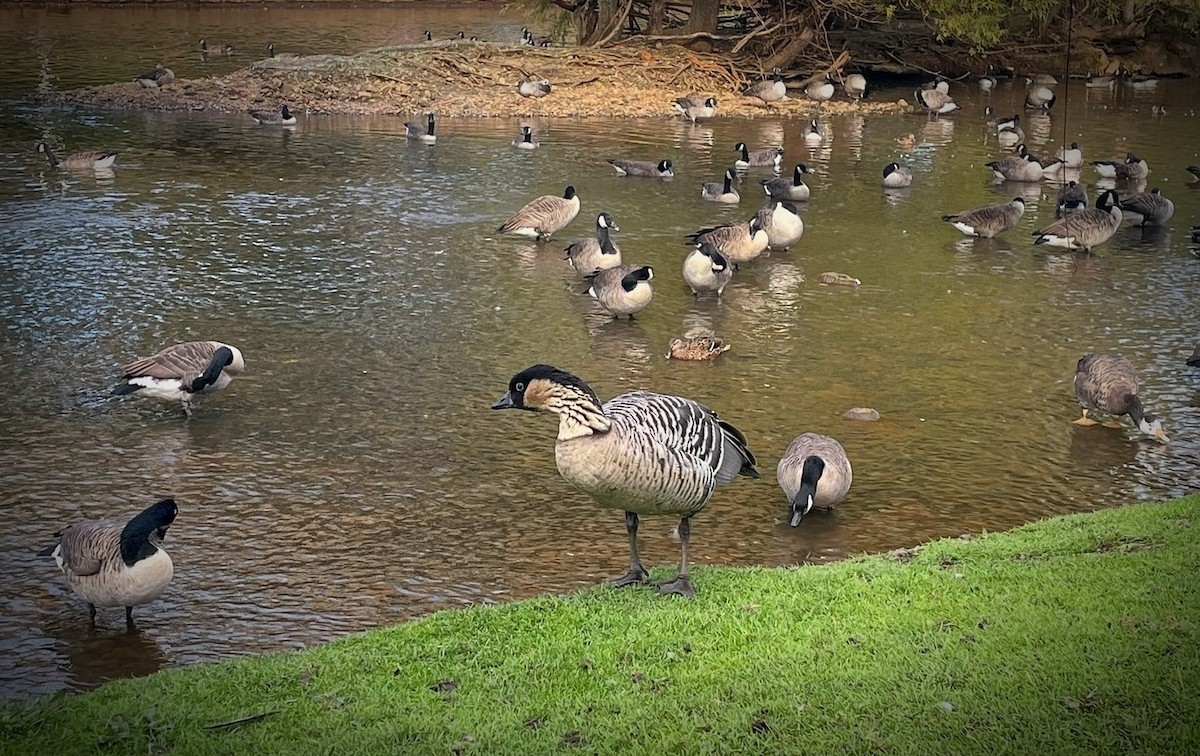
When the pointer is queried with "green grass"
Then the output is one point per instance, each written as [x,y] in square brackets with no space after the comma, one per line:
[1077,634]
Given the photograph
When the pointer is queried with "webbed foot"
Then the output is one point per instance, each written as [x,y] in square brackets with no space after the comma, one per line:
[681,585]
[636,575]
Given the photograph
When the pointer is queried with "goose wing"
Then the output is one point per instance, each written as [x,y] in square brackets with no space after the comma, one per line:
[1146,203]
[83,548]
[546,211]
[719,235]
[185,362]
[988,216]
[1103,381]
[1077,223]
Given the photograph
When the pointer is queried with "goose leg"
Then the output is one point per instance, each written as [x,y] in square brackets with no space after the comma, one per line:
[637,574]
[92,615]
[129,626]
[1085,420]
[682,584]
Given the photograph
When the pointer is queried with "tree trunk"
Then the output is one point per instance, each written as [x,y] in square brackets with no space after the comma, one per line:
[609,12]
[703,17]
[658,11]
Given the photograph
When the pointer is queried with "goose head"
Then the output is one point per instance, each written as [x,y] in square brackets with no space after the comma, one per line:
[890,168]
[136,536]
[1152,426]
[544,388]
[569,193]
[719,263]
[802,503]
[637,276]
[604,220]
[664,166]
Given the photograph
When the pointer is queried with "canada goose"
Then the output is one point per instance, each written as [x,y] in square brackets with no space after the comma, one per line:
[427,36]
[1071,157]
[623,290]
[1010,135]
[1195,171]
[643,168]
[640,452]
[783,225]
[1143,81]
[118,561]
[989,220]
[855,86]
[1070,198]
[896,176]
[768,90]
[813,472]
[706,269]
[1020,167]
[525,140]
[723,192]
[1084,229]
[415,132]
[270,49]
[988,80]
[182,371]
[695,106]
[771,156]
[531,87]
[739,242]
[1100,82]
[155,77]
[820,91]
[225,49]
[935,101]
[281,117]
[783,189]
[543,216]
[939,84]
[594,254]
[812,136]
[1148,208]
[696,348]
[99,160]
[1039,98]
[1134,168]
[1041,78]
[1108,383]
[838,279]
[1194,360]
[1000,123]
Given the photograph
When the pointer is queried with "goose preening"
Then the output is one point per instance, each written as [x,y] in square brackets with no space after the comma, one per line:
[936,101]
[695,107]
[155,77]
[1072,157]
[643,168]
[768,90]
[1108,383]
[812,135]
[1148,208]
[722,192]
[896,176]
[1086,228]
[533,87]
[1019,167]
[118,561]
[181,372]
[989,220]
[641,452]
[415,132]
[1133,168]
[1011,134]
[623,290]
[595,254]
[820,91]
[1071,197]
[525,140]
[1039,98]
[855,86]
[739,242]
[771,156]
[783,224]
[97,160]
[1000,123]
[543,216]
[696,348]
[706,269]
[793,189]
[281,117]
[813,472]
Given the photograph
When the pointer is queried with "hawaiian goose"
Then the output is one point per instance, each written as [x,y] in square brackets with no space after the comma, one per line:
[415,132]
[543,216]
[182,371]
[591,255]
[623,290]
[696,106]
[739,242]
[281,117]
[1108,383]
[783,189]
[814,472]
[896,176]
[706,269]
[989,220]
[98,160]
[770,157]
[724,192]
[769,90]
[644,453]
[643,168]
[1086,228]
[1148,208]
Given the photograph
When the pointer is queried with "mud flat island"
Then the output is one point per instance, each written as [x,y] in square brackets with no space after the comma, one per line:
[468,79]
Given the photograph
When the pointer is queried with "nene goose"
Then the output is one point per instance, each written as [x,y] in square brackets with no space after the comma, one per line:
[415,132]
[531,87]
[155,77]
[1148,208]
[935,101]
[989,220]
[814,472]
[695,106]
[1020,167]
[769,90]
[1071,197]
[820,91]
[706,269]
[281,117]
[896,176]
[771,156]
[1108,383]
[1039,98]
[855,86]
[813,137]
[1072,157]
[783,189]
[782,223]
[1133,168]
[589,256]
[97,160]
[117,562]
[1086,228]
[543,216]
[623,290]
[525,140]
[724,192]
[696,348]
[644,453]
[182,371]
[739,242]
[643,168]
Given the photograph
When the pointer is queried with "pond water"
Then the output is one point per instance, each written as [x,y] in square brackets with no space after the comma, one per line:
[355,476]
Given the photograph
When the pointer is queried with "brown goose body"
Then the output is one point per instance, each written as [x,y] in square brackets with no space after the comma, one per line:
[541,217]
[740,242]
[1086,228]
[1108,383]
[595,253]
[989,220]
[98,160]
[182,371]
[1148,208]
[814,471]
[623,290]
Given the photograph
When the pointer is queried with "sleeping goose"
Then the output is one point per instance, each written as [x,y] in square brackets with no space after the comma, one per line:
[155,77]
[1039,98]
[97,160]
[768,90]
[896,176]
[771,156]
[1072,157]
[543,216]
[1019,167]
[1108,383]
[1084,229]
[1148,208]
[531,87]
[417,133]
[1099,82]
[723,192]
[643,168]
[594,254]
[820,91]
[1071,197]
[641,452]
[695,107]
[1133,168]
[783,189]
[989,220]
[855,86]
[812,135]
[813,472]
[525,140]
[182,371]
[782,223]
[935,101]
[706,269]
[1009,135]
[119,561]
[623,290]
[739,242]
[281,117]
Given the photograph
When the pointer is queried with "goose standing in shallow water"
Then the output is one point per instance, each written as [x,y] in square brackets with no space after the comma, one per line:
[989,220]
[769,90]
[1108,383]
[1071,197]
[117,562]
[935,101]
[595,254]
[641,452]
[1148,208]
[739,242]
[771,156]
[643,168]
[723,192]
[543,216]
[1084,229]
[813,472]
[97,160]
[896,176]
[706,269]
[783,224]
[424,134]
[181,372]
[695,107]
[525,140]
[623,290]
[783,189]
[281,117]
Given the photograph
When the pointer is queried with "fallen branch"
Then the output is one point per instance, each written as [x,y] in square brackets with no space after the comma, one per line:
[241,720]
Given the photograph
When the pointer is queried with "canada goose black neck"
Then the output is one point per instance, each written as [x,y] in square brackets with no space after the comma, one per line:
[135,537]
[635,277]
[429,128]
[45,150]
[810,475]
[569,193]
[741,146]
[287,114]
[221,359]
[890,168]
[728,182]
[712,253]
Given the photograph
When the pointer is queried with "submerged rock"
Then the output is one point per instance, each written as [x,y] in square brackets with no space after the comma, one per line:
[861,413]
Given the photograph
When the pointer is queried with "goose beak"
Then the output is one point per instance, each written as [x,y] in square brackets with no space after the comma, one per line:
[1161,435]
[504,402]
[796,515]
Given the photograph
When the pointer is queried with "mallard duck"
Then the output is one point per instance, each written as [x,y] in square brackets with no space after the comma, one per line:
[794,189]
[769,90]
[642,453]
[181,372]
[813,472]
[415,132]
[1108,383]
[594,254]
[696,348]
[723,192]
[117,562]
[155,77]
[532,87]
[543,216]
[525,140]
[623,290]
[1148,208]
[97,160]
[695,107]
[1084,229]
[772,156]
[838,279]
[989,220]
[643,168]
[281,117]
[706,269]
[896,176]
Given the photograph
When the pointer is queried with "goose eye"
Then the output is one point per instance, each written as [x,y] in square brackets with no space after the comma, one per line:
[520,387]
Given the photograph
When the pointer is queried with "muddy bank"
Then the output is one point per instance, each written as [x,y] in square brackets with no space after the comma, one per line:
[466,79]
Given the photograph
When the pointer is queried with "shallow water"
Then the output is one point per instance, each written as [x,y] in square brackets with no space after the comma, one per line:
[355,477]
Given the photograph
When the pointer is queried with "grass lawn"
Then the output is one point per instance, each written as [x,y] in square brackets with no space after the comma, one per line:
[1076,634]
